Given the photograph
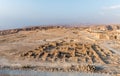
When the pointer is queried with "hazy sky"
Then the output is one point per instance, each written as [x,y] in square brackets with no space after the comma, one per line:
[15,13]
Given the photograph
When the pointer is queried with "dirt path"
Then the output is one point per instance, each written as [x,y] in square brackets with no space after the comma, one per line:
[107,45]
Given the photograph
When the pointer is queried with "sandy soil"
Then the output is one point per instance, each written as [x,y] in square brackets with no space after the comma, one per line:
[88,49]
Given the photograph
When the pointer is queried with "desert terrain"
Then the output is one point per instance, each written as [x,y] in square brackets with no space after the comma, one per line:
[62,48]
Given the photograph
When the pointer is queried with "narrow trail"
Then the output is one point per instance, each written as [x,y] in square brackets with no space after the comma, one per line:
[106,45]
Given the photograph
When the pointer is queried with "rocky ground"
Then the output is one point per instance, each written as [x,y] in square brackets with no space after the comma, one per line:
[62,48]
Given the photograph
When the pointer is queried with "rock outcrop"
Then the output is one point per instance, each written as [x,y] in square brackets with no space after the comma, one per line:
[12,31]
